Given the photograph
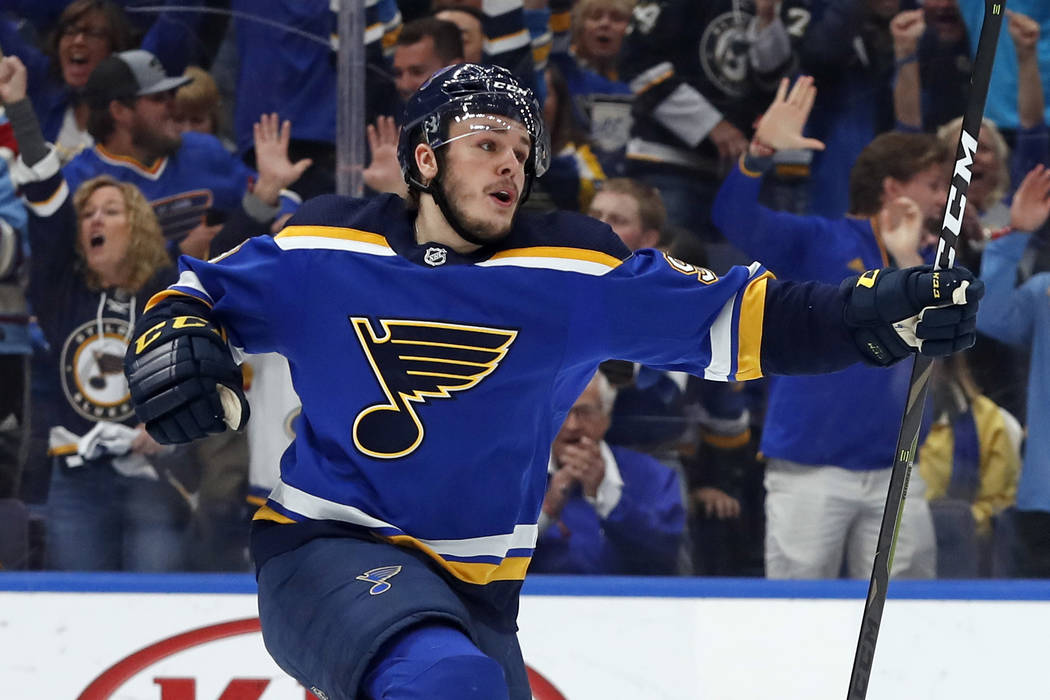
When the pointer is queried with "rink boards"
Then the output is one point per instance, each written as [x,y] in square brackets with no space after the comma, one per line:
[188,637]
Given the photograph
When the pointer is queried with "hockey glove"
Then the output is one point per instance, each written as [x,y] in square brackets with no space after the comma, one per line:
[892,313]
[184,382]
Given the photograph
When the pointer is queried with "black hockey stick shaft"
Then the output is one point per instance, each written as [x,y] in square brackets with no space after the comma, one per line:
[907,439]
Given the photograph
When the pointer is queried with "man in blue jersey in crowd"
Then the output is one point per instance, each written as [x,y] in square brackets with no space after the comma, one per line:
[437,346]
[190,179]
[827,472]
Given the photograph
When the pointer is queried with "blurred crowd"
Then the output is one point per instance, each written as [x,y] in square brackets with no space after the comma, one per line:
[134,132]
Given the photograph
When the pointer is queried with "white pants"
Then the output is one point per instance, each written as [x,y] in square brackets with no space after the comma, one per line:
[814,513]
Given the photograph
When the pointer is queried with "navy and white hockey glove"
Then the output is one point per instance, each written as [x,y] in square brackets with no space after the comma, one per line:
[892,313]
[184,382]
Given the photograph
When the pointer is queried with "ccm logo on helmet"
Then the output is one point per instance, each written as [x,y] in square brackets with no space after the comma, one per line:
[510,87]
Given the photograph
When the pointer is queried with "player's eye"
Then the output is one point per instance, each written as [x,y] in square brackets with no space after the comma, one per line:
[520,155]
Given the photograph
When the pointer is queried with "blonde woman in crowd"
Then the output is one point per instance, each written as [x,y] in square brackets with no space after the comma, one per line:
[98,255]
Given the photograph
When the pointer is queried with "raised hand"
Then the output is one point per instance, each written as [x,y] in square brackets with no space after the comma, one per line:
[276,171]
[1031,205]
[558,490]
[13,79]
[907,28]
[197,242]
[1023,30]
[780,128]
[583,461]
[901,226]
[383,173]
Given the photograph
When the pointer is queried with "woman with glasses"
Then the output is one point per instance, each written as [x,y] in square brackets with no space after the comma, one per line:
[87,31]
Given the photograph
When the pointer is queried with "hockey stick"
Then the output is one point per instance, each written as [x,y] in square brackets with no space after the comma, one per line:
[907,439]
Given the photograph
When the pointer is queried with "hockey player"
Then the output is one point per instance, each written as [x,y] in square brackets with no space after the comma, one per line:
[437,347]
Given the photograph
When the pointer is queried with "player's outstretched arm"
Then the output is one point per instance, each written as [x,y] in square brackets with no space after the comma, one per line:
[184,381]
[879,317]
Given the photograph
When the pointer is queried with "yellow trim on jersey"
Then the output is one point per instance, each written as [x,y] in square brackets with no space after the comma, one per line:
[727,442]
[792,169]
[164,294]
[519,34]
[644,156]
[345,234]
[559,252]
[148,169]
[655,81]
[541,53]
[63,450]
[390,38]
[749,331]
[560,22]
[268,513]
[747,171]
[587,180]
[878,239]
[63,189]
[256,500]
[510,569]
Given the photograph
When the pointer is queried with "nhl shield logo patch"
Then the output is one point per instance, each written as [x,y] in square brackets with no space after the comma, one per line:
[435,256]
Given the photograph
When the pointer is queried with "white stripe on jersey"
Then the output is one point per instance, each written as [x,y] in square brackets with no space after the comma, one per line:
[50,205]
[493,8]
[308,242]
[316,508]
[722,332]
[586,267]
[189,280]
[721,335]
[507,43]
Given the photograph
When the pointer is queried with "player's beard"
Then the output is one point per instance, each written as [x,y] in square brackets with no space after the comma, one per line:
[152,143]
[479,230]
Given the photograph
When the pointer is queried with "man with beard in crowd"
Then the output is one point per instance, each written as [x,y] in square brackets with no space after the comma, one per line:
[192,182]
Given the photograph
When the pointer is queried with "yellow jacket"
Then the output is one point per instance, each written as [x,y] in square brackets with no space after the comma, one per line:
[998,437]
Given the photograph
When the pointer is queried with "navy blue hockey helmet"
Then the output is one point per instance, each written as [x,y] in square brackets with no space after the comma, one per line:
[466,91]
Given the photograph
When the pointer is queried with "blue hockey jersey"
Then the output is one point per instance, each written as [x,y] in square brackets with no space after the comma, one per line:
[182,188]
[433,383]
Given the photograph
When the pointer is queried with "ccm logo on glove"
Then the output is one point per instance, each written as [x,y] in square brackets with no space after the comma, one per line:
[147,338]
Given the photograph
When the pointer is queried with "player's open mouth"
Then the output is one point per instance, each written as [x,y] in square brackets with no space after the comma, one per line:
[97,240]
[504,197]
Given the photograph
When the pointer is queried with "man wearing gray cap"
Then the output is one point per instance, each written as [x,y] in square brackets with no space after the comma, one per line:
[124,77]
[190,179]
